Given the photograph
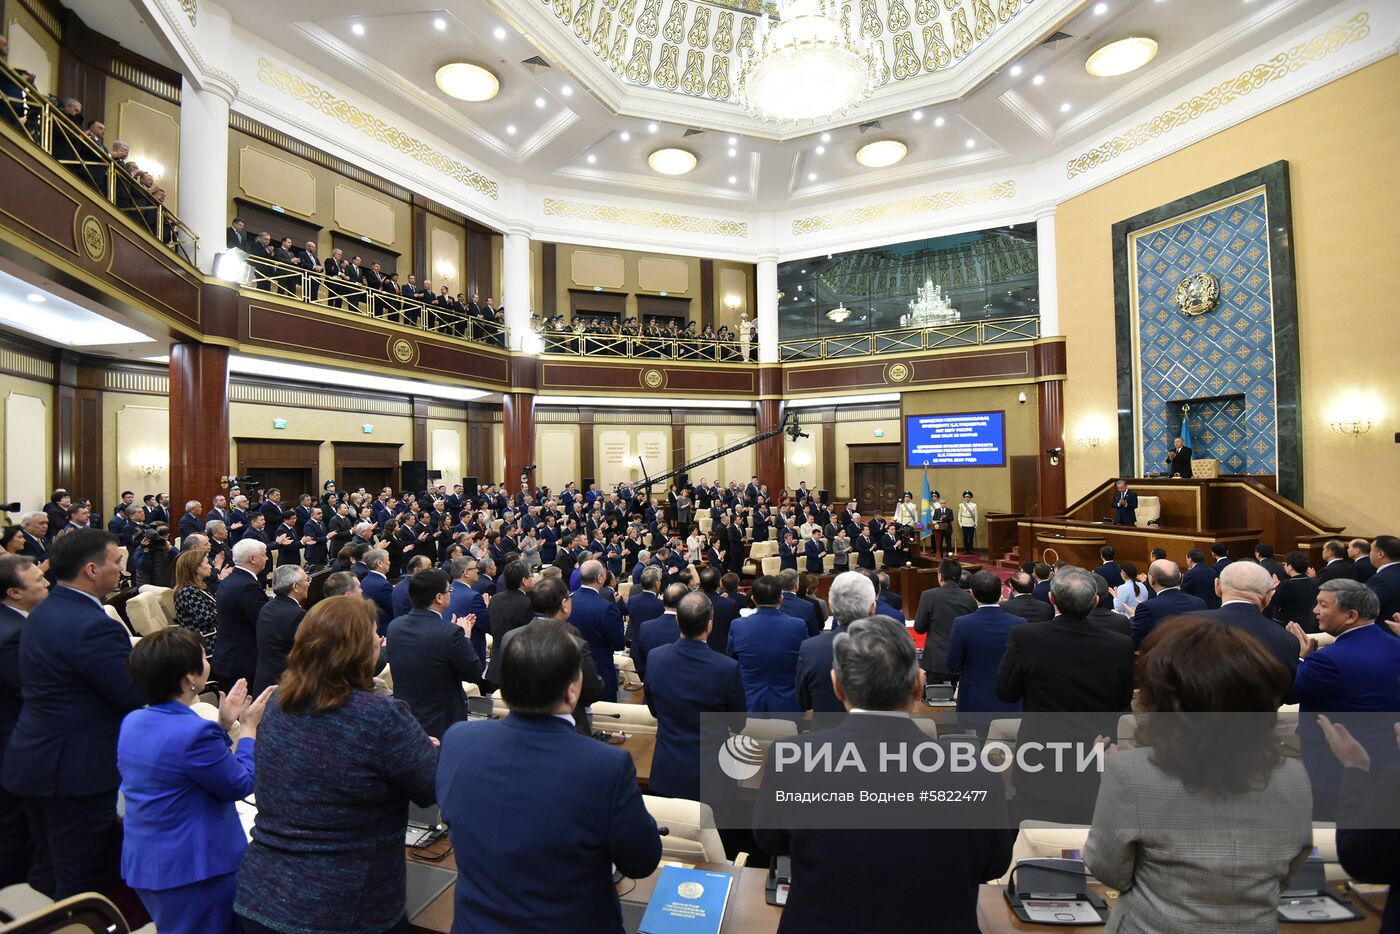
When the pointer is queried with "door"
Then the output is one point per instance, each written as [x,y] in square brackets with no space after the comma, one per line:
[877,488]
[1025,484]
[292,481]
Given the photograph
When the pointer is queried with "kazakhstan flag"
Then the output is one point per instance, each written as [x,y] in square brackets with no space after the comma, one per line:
[1186,426]
[926,504]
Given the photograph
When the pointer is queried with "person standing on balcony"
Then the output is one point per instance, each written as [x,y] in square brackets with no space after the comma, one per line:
[310,263]
[259,251]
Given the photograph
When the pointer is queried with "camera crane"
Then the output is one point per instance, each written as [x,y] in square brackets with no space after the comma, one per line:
[788,425]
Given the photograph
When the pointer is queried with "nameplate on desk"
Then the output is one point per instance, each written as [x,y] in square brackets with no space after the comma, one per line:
[687,900]
[1060,911]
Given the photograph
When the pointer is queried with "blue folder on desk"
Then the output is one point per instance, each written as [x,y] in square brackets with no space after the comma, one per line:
[687,901]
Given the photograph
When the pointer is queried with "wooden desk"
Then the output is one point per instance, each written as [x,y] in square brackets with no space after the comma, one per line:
[747,913]
[1050,540]
[994,916]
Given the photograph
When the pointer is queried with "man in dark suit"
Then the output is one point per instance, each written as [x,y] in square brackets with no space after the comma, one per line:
[431,654]
[1359,551]
[766,644]
[399,601]
[569,781]
[1103,614]
[1043,573]
[1024,605]
[313,539]
[191,522]
[288,543]
[22,588]
[1125,503]
[1264,554]
[938,607]
[796,606]
[1385,557]
[1199,579]
[277,625]
[644,602]
[375,586]
[1079,677]
[235,238]
[550,600]
[1244,588]
[1296,596]
[240,601]
[35,529]
[1168,600]
[1179,460]
[731,542]
[1335,564]
[686,680]
[260,251]
[1220,557]
[1109,570]
[469,600]
[510,608]
[600,622]
[852,597]
[892,853]
[662,630]
[975,650]
[62,756]
[726,610]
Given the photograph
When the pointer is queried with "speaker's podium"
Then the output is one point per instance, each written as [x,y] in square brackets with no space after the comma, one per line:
[1177,515]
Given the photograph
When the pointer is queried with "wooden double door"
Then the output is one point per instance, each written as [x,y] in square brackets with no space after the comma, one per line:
[876,478]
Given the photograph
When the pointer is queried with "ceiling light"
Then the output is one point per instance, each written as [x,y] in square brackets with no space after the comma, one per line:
[1064,108]
[566,90]
[36,298]
[651,127]
[733,179]
[592,159]
[624,136]
[439,24]
[499,33]
[804,64]
[1121,56]
[918,115]
[839,313]
[733,152]
[511,129]
[467,81]
[672,161]
[357,28]
[811,176]
[1038,80]
[1015,71]
[539,102]
[937,121]
[826,137]
[733,140]
[970,143]
[881,153]
[1100,9]
[821,150]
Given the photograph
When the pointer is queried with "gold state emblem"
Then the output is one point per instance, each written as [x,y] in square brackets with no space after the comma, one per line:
[897,373]
[690,890]
[1198,294]
[653,379]
[94,238]
[402,350]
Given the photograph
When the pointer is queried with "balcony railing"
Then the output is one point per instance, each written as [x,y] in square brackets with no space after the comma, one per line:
[911,340]
[341,294]
[697,349]
[26,109]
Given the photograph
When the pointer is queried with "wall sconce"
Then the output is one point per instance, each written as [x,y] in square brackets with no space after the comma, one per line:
[1354,413]
[731,301]
[801,459]
[1090,441]
[445,271]
[149,470]
[1353,427]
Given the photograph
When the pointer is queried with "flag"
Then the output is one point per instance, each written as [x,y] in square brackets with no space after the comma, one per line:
[1186,425]
[926,505]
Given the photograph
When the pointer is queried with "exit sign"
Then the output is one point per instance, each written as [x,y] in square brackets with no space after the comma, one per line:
[279,424]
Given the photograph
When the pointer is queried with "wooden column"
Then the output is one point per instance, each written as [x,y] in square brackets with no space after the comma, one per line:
[587,466]
[1051,405]
[420,427]
[547,299]
[199,432]
[479,442]
[828,478]
[518,414]
[418,241]
[78,429]
[707,293]
[769,459]
[677,438]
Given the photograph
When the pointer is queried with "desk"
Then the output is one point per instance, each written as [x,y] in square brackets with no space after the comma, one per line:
[994,916]
[747,913]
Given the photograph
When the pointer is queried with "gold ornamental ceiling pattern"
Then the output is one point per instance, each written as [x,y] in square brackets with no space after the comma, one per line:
[693,47]
[904,207]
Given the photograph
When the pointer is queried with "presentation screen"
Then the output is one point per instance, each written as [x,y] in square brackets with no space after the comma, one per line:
[969,439]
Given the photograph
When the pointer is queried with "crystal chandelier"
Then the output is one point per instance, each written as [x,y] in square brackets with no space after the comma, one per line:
[807,66]
[930,309]
[840,313]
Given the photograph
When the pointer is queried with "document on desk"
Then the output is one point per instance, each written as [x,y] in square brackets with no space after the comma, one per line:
[687,901]
[1060,911]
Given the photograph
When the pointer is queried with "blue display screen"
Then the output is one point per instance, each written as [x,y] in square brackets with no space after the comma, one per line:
[970,439]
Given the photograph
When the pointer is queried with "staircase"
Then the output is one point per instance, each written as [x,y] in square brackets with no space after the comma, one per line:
[1010,561]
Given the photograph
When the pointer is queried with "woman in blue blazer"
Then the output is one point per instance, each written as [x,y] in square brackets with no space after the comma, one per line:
[183,840]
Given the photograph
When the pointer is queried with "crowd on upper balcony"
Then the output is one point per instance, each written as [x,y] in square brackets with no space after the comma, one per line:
[654,337]
[80,145]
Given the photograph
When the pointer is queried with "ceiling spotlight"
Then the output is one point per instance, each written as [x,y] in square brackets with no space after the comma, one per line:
[592,158]
[821,150]
[539,102]
[1100,9]
[499,33]
[1121,56]
[733,152]
[36,298]
[651,127]
[566,89]
[881,153]
[467,81]
[811,176]
[1038,80]
[624,136]
[733,179]
[511,129]
[826,137]
[672,161]
[1015,71]
[1064,108]
[918,115]
[970,143]
[733,140]
[937,121]
[357,28]
[439,24]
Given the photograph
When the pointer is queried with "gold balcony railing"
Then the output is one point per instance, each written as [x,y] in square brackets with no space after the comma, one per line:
[341,294]
[28,110]
[697,349]
[911,340]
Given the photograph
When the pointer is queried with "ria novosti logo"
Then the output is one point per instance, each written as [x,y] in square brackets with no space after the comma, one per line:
[741,757]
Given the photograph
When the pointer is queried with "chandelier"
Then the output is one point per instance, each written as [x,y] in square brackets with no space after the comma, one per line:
[807,66]
[840,313]
[931,308]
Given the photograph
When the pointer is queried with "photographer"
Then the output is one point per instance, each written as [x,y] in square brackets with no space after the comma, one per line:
[151,560]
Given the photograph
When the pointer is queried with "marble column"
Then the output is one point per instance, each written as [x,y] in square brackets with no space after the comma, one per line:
[515,283]
[767,320]
[768,458]
[204,108]
[199,430]
[1049,280]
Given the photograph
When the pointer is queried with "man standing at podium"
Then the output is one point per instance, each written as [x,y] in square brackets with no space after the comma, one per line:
[1125,503]
[1179,460]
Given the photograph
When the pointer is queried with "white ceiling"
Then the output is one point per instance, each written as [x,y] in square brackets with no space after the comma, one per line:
[972,115]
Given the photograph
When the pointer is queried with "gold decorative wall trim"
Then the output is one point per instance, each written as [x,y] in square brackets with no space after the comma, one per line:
[22,364]
[865,414]
[717,418]
[1252,79]
[136,381]
[638,217]
[40,11]
[318,98]
[611,418]
[310,399]
[904,207]
[191,8]
[147,82]
[451,413]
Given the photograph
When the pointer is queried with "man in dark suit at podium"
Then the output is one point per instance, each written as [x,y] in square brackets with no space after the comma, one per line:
[1125,503]
[1179,460]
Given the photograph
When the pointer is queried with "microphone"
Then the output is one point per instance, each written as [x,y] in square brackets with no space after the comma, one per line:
[663,830]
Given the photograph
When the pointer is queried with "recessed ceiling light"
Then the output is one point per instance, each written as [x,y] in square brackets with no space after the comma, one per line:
[672,161]
[881,153]
[467,81]
[733,152]
[733,140]
[733,179]
[821,150]
[499,33]
[511,129]
[539,102]
[1038,80]
[1064,108]
[1100,9]
[826,137]
[918,115]
[439,24]
[970,143]
[937,121]
[357,28]
[592,158]
[651,127]
[566,89]
[624,136]
[811,176]
[1015,71]
[36,298]
[1121,56]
